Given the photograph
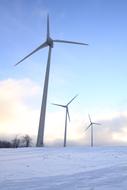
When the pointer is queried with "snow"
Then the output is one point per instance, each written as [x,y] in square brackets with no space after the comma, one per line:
[70,168]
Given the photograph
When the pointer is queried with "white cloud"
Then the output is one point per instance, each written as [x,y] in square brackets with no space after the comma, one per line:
[18,116]
[15,115]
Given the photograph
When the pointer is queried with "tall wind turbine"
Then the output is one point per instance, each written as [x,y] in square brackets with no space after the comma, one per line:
[48,43]
[66,115]
[91,125]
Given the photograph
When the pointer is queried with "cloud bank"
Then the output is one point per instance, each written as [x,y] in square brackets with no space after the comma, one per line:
[15,114]
[19,116]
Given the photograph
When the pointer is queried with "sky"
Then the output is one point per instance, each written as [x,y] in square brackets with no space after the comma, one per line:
[97,72]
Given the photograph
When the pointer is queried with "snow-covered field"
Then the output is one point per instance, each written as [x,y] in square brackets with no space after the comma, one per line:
[71,168]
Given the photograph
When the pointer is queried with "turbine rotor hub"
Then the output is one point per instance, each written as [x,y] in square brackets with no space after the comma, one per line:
[50,42]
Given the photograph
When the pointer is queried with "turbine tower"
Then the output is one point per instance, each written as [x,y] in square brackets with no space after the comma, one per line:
[91,125]
[66,115]
[48,43]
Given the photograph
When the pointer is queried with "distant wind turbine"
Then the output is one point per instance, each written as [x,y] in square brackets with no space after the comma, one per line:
[66,115]
[91,125]
[48,43]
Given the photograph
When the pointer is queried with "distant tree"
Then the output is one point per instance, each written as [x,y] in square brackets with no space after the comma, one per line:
[16,142]
[5,144]
[27,140]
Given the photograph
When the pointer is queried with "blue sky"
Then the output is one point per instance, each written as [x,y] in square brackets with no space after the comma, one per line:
[96,72]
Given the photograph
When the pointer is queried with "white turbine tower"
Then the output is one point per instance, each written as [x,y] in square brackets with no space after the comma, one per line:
[91,125]
[48,43]
[66,115]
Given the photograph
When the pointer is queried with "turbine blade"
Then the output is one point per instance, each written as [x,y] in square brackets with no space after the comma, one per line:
[69,42]
[89,118]
[48,30]
[68,114]
[71,100]
[58,105]
[96,123]
[40,47]
[88,127]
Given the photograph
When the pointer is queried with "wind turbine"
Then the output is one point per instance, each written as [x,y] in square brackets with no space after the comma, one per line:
[91,125]
[48,43]
[66,115]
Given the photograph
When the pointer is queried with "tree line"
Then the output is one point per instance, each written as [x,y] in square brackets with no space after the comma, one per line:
[24,141]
